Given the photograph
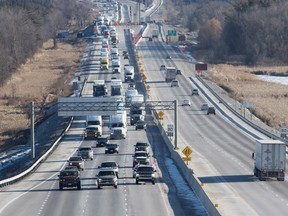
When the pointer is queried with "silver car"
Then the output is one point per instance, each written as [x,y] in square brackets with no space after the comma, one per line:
[110,165]
[85,153]
[205,106]
[174,83]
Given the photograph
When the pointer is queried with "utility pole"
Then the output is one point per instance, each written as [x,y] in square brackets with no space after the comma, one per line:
[32,131]
[139,12]
[176,123]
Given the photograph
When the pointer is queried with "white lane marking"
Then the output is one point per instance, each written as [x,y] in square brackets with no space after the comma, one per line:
[29,190]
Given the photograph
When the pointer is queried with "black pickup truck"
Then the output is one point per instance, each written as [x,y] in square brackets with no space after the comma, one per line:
[69,178]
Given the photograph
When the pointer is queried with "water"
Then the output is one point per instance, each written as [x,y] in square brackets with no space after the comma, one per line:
[275,79]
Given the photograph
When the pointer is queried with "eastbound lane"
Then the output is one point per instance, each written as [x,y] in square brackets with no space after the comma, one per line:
[221,153]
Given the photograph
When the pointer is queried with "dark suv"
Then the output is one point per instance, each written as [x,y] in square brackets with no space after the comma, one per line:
[145,173]
[69,178]
[102,141]
[211,110]
[112,148]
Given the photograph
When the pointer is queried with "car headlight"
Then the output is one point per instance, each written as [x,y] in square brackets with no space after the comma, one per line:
[137,175]
[99,180]
[153,175]
[114,179]
[70,164]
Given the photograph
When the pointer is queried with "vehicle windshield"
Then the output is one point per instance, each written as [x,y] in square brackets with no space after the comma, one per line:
[141,144]
[71,168]
[85,149]
[141,154]
[117,124]
[111,145]
[75,159]
[105,173]
[145,169]
[69,173]
[91,129]
[108,164]
[102,139]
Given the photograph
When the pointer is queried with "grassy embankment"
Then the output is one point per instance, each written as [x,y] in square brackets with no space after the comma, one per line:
[42,78]
[270,99]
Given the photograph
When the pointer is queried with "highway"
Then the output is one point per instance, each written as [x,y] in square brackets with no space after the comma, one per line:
[222,153]
[39,194]
[221,158]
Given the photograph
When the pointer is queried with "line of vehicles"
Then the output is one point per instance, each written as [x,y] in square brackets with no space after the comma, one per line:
[130,111]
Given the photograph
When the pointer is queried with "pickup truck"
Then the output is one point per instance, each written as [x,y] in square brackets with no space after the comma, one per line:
[69,178]
[106,178]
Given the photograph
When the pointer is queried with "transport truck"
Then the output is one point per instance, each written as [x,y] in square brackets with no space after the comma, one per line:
[129,73]
[128,95]
[116,87]
[270,159]
[99,88]
[154,33]
[93,126]
[118,125]
[137,110]
[170,74]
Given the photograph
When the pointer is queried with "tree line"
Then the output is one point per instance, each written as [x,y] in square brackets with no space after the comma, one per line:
[25,25]
[252,30]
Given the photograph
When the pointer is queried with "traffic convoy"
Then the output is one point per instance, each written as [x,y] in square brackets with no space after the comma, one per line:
[104,52]
[103,157]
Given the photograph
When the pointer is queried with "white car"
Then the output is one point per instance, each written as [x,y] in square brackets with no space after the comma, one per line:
[174,83]
[205,106]
[186,102]
[195,92]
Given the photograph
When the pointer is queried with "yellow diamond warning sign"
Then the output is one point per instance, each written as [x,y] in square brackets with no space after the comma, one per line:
[187,151]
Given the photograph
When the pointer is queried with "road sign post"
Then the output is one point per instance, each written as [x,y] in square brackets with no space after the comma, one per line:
[170,130]
[187,152]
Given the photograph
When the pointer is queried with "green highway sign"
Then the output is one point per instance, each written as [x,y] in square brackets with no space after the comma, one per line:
[172,33]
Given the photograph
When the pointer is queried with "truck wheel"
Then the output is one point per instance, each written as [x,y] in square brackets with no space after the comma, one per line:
[137,181]
[60,186]
[79,185]
[255,173]
[99,187]
[280,179]
[115,186]
[153,181]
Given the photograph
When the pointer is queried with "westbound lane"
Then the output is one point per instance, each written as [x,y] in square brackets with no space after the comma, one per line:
[39,194]
[221,153]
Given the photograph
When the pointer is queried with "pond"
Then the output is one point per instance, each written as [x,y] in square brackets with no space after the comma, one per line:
[275,79]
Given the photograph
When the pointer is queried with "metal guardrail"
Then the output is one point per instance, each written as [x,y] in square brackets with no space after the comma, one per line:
[222,101]
[35,164]
[21,175]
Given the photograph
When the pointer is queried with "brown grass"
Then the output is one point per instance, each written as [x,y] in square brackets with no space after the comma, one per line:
[270,99]
[44,77]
